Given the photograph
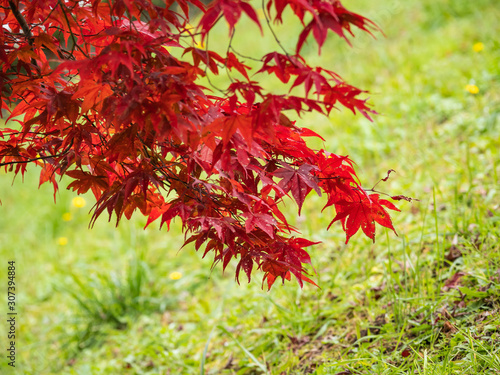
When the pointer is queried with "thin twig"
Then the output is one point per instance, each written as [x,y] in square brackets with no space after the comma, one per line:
[268,21]
[245,57]
[33,159]
[75,44]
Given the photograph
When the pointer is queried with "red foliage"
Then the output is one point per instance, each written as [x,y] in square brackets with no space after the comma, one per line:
[101,99]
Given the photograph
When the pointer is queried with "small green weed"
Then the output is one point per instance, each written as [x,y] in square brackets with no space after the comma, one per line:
[114,299]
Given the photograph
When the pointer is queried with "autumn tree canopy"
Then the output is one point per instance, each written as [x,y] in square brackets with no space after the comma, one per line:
[108,93]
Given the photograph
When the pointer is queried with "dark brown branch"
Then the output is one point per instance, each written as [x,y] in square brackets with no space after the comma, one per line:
[22,22]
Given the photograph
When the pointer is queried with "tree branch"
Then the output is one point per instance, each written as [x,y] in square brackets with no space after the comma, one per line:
[22,22]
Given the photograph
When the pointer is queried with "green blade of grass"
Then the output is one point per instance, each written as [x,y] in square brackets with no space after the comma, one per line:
[205,350]
[261,365]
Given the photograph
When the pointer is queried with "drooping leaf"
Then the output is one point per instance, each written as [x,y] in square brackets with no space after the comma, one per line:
[363,211]
[300,182]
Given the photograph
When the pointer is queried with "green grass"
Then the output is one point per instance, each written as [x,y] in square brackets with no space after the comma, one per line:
[103,303]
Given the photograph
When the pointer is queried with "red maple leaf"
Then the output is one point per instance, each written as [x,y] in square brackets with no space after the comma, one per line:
[363,212]
[299,181]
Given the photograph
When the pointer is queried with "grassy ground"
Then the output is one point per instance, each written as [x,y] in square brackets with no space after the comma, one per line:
[127,301]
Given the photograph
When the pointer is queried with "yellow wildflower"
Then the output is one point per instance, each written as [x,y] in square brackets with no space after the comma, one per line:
[473,89]
[62,241]
[175,275]
[67,216]
[478,47]
[78,202]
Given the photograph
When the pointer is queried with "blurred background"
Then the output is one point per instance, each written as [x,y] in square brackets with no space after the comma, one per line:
[128,301]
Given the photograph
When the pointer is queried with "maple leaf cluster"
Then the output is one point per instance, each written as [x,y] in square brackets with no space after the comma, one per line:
[108,93]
